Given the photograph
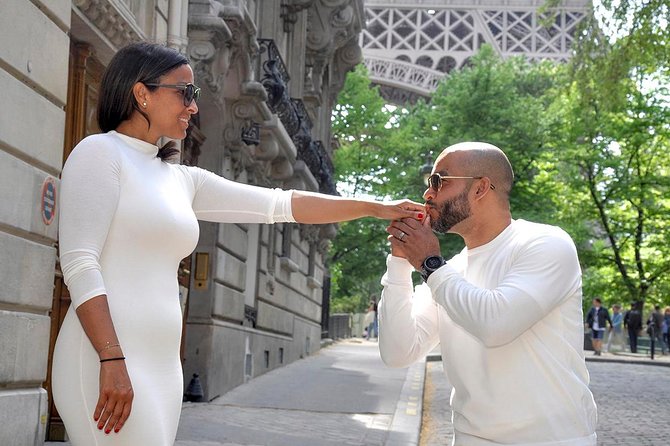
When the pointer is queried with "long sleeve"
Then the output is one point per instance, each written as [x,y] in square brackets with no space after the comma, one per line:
[89,195]
[408,322]
[542,275]
[220,200]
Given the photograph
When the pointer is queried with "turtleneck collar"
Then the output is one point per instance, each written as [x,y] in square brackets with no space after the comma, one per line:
[137,144]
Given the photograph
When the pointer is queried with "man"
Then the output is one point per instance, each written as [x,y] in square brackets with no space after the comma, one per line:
[597,319]
[616,331]
[633,323]
[655,328]
[506,311]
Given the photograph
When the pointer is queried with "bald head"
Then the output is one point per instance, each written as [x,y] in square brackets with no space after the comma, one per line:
[482,159]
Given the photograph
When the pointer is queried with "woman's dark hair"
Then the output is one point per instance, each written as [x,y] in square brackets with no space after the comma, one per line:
[138,62]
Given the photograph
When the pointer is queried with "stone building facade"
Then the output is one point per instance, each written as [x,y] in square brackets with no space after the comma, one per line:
[272,71]
[252,295]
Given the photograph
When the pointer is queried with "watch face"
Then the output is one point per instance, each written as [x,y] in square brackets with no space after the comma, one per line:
[434,262]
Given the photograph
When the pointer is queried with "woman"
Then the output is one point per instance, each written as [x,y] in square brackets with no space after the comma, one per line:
[127,219]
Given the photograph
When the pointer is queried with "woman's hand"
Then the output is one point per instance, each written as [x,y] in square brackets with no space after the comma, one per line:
[399,209]
[116,396]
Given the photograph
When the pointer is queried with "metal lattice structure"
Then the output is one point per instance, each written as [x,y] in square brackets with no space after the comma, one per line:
[408,46]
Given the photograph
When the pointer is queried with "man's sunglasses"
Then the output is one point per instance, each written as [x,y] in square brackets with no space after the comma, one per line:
[435,181]
[189,91]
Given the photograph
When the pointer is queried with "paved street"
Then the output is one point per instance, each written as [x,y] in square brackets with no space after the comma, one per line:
[344,395]
[633,404]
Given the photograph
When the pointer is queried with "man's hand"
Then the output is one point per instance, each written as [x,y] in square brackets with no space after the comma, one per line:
[413,240]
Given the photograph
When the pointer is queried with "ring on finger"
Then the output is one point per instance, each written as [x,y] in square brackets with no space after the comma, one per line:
[401,236]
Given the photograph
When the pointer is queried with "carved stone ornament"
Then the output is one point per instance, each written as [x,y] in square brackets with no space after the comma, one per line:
[290,10]
[344,60]
[244,47]
[332,25]
[110,18]
[310,233]
[209,45]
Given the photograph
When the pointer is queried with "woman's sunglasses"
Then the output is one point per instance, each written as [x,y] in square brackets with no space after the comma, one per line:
[435,181]
[189,91]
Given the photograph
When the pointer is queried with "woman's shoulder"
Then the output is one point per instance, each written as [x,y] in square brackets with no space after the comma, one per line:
[100,143]
[94,150]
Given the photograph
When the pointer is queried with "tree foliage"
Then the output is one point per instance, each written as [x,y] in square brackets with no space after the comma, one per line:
[613,128]
[589,142]
[383,149]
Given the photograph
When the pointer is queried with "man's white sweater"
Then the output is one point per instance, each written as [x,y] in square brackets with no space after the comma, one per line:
[508,317]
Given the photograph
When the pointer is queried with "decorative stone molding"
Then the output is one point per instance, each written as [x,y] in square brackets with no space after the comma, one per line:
[332,25]
[112,19]
[242,116]
[250,315]
[327,233]
[312,283]
[277,148]
[209,45]
[345,59]
[310,233]
[288,264]
[290,10]
[244,47]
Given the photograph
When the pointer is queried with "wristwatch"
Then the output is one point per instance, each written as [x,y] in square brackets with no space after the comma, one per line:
[430,265]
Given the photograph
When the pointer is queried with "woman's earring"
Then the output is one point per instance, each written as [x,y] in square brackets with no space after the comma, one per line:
[144,104]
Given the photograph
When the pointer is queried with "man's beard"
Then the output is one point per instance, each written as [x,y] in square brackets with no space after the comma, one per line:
[452,212]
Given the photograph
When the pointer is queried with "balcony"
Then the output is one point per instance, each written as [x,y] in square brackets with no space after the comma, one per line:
[293,115]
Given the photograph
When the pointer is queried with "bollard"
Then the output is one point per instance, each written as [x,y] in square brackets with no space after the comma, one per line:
[194,391]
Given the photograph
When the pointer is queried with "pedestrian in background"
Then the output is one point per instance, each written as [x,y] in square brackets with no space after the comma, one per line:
[506,311]
[632,321]
[665,328]
[597,319]
[127,219]
[655,328]
[615,335]
[369,321]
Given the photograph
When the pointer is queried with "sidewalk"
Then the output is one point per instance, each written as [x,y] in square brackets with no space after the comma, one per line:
[630,358]
[343,395]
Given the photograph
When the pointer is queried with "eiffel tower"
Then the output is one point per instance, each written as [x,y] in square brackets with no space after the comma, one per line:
[408,46]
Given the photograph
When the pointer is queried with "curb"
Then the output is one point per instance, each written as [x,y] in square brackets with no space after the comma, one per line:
[438,357]
[629,361]
[405,428]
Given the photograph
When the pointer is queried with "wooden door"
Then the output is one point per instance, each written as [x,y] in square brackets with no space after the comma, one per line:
[84,77]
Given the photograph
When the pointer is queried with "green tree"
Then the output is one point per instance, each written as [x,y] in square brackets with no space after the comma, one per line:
[588,141]
[358,253]
[382,150]
[612,130]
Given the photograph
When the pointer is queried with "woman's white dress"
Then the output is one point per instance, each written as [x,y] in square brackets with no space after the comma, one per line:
[126,221]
